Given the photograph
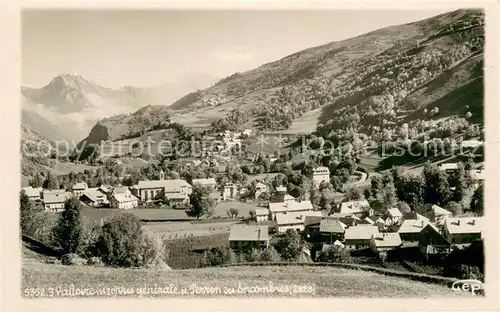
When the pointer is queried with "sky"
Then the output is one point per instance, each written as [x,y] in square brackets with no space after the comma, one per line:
[148,48]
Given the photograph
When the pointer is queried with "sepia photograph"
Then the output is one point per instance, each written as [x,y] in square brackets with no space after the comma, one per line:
[252,153]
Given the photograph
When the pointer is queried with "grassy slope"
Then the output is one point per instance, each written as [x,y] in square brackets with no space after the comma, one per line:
[339,57]
[333,282]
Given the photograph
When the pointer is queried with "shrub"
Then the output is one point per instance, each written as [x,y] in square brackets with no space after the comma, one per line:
[72,259]
[154,253]
[95,261]
[120,242]
[335,254]
[43,227]
[218,256]
[270,255]
[253,255]
[90,234]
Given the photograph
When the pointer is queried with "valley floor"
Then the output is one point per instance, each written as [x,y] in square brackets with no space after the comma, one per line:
[334,282]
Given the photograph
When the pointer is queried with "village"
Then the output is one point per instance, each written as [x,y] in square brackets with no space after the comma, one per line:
[350,225]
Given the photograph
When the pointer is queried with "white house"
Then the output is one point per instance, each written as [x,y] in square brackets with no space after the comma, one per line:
[262,214]
[79,188]
[462,232]
[410,228]
[210,182]
[244,237]
[359,236]
[448,166]
[260,188]
[54,200]
[394,216]
[32,193]
[123,201]
[289,207]
[321,174]
[358,207]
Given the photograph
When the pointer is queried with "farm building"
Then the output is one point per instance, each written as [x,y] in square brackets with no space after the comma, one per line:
[332,229]
[32,193]
[462,232]
[94,198]
[357,208]
[410,228]
[289,207]
[262,214]
[54,200]
[123,201]
[210,182]
[358,237]
[432,244]
[79,188]
[244,237]
[383,242]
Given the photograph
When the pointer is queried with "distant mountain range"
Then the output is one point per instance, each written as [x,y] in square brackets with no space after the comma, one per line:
[70,105]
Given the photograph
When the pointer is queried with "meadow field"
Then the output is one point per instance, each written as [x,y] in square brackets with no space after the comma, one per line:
[334,282]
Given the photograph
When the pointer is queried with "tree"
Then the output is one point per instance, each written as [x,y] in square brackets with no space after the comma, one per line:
[437,189]
[28,212]
[68,231]
[199,202]
[477,203]
[454,208]
[120,243]
[232,212]
[37,180]
[459,179]
[403,207]
[51,182]
[289,246]
[353,194]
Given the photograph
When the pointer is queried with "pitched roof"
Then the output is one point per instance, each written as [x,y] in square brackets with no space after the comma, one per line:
[297,206]
[312,220]
[477,174]
[261,211]
[321,170]
[448,166]
[471,143]
[94,195]
[353,206]
[174,184]
[387,240]
[79,186]
[464,225]
[360,232]
[50,197]
[394,212]
[331,226]
[289,219]
[438,211]
[208,181]
[414,225]
[281,188]
[32,192]
[243,232]
[120,190]
[290,206]
[123,198]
